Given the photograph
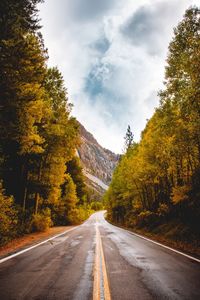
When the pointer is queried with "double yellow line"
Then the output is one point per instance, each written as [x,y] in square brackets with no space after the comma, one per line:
[101,287]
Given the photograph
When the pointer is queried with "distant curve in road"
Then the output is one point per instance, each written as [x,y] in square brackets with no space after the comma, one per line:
[97,260]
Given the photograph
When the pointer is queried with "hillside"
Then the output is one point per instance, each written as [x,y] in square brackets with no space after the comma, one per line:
[96,160]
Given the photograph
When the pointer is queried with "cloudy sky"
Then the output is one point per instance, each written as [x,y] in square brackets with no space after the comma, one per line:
[112,56]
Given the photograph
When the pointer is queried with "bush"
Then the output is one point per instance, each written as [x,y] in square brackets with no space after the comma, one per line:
[163,210]
[96,205]
[41,221]
[8,217]
[80,214]
[180,194]
[147,219]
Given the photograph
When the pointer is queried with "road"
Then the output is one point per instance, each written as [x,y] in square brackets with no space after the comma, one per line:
[99,261]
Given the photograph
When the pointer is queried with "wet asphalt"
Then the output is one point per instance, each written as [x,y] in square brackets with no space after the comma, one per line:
[63,268]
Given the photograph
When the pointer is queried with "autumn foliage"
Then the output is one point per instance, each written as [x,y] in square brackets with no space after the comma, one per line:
[158,179]
[38,136]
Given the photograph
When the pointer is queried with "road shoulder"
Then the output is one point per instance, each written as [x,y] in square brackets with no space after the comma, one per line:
[177,245]
[29,240]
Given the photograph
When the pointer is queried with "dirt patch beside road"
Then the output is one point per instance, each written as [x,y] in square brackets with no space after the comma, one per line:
[30,239]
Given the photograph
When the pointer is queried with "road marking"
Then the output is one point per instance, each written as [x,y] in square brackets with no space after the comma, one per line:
[101,287]
[37,245]
[157,243]
[96,285]
[107,295]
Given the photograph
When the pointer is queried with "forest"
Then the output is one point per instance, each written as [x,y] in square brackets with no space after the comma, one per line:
[41,179]
[157,180]
[156,185]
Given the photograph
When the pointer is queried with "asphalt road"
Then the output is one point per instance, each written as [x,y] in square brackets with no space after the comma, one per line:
[99,261]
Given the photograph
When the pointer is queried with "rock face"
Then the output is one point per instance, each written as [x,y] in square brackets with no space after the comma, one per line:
[96,160]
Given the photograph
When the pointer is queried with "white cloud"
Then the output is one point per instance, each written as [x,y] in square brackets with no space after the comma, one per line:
[112,55]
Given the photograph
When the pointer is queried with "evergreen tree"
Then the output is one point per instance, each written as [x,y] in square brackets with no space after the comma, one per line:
[128,139]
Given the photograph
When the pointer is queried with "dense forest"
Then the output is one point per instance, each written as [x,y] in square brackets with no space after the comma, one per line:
[41,179]
[157,180]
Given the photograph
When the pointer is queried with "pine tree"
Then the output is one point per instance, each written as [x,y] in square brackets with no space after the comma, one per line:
[128,139]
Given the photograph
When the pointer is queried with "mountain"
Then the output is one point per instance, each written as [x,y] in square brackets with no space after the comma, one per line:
[98,163]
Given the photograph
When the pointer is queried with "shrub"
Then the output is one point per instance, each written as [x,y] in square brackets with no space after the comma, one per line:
[147,218]
[163,210]
[180,194]
[96,205]
[80,214]
[41,221]
[8,217]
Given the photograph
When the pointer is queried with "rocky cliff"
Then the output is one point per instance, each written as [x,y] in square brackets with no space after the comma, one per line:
[96,160]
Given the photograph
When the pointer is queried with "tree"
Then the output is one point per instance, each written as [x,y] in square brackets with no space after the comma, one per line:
[183,75]
[128,139]
[61,135]
[160,176]
[45,137]
[64,210]
[37,134]
[76,172]
[22,71]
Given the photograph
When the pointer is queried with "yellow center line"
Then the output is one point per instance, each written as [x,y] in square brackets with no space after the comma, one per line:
[96,285]
[98,266]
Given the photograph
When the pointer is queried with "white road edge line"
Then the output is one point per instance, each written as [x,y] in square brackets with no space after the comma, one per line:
[37,245]
[159,244]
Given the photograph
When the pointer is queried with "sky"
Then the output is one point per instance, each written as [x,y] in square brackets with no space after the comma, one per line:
[112,55]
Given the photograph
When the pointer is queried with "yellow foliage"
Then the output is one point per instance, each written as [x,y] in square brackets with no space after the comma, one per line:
[41,221]
[180,194]
[8,217]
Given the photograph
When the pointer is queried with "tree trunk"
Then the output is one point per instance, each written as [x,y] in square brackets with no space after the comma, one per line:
[37,193]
